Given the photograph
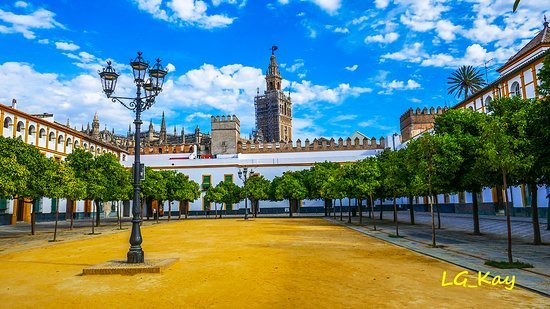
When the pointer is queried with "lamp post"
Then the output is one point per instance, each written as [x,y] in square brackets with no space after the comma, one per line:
[243,175]
[151,86]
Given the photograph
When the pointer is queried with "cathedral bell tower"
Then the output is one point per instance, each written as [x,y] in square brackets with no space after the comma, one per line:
[274,108]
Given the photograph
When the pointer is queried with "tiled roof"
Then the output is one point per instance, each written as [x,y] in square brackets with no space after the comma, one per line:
[542,37]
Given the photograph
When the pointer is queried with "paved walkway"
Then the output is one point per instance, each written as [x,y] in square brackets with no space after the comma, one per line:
[462,248]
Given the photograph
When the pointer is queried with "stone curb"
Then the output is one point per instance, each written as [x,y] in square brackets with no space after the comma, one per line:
[524,279]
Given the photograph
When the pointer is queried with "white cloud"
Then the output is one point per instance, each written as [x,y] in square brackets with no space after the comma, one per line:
[381,4]
[66,46]
[446,30]
[305,93]
[422,15]
[329,6]
[374,122]
[388,88]
[44,41]
[21,4]
[77,98]
[337,29]
[352,68]
[240,4]
[187,12]
[171,68]
[192,116]
[298,64]
[386,38]
[26,24]
[344,117]
[410,53]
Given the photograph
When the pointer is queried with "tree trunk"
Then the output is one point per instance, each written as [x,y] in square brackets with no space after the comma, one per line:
[73,203]
[326,207]
[438,212]
[93,217]
[395,214]
[33,227]
[55,226]
[290,207]
[411,209]
[535,213]
[97,216]
[169,211]
[381,209]
[334,210]
[120,204]
[508,223]
[359,202]
[341,210]
[179,210]
[475,211]
[372,210]
[186,209]
[349,210]
[158,210]
[433,217]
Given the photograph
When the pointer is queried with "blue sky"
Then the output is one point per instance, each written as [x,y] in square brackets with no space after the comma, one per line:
[349,65]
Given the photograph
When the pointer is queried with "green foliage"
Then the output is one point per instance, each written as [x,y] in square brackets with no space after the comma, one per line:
[155,184]
[257,188]
[466,80]
[230,192]
[13,176]
[288,186]
[34,181]
[465,127]
[214,194]
[391,171]
[63,182]
[544,78]
[319,176]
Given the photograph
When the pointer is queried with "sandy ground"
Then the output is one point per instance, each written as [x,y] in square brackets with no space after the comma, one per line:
[263,263]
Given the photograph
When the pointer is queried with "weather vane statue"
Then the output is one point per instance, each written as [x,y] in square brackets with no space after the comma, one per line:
[273,49]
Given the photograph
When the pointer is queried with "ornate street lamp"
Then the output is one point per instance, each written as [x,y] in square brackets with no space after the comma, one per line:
[244,174]
[152,86]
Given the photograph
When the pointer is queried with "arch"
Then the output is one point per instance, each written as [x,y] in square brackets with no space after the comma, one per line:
[104,151]
[488,100]
[76,144]
[20,126]
[92,148]
[69,142]
[32,130]
[52,137]
[60,139]
[85,145]
[515,90]
[42,133]
[8,122]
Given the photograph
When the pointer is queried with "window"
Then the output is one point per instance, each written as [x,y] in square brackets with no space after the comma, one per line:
[7,122]
[42,133]
[32,130]
[488,100]
[60,139]
[3,205]
[76,144]
[206,181]
[228,177]
[52,136]
[20,126]
[54,205]
[515,90]
[69,142]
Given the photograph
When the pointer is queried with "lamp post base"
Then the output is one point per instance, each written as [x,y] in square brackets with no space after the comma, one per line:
[135,257]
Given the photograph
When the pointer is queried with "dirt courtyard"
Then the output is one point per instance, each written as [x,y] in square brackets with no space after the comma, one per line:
[263,263]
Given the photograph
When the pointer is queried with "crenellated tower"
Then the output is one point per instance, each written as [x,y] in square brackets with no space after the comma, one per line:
[274,108]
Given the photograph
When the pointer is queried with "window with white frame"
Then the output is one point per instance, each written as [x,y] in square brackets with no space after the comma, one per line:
[515,90]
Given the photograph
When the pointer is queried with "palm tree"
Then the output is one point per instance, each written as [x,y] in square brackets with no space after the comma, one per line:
[516,3]
[467,80]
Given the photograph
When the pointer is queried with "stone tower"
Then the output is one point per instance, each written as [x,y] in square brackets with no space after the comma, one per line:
[162,136]
[416,122]
[226,132]
[95,126]
[273,108]
[151,132]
